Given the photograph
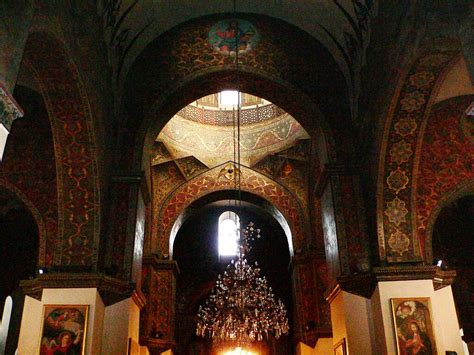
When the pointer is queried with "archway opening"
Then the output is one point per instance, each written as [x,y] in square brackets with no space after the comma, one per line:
[453,243]
[196,252]
[19,244]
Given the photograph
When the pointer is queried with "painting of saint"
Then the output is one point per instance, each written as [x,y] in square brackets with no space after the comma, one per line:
[413,326]
[63,330]
[230,36]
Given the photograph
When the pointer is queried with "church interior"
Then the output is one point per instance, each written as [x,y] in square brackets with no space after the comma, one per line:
[231,177]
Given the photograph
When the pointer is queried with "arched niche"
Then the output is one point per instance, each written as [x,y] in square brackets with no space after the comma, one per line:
[453,243]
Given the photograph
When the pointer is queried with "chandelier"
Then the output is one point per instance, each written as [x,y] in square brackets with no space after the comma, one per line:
[242,307]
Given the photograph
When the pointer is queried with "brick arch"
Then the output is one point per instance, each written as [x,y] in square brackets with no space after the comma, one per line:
[75,148]
[42,234]
[252,182]
[398,239]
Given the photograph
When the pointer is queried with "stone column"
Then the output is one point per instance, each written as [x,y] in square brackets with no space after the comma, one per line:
[311,319]
[158,316]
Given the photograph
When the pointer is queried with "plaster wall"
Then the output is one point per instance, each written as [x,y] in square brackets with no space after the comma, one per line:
[352,319]
[121,323]
[31,322]
[303,349]
[457,82]
[446,328]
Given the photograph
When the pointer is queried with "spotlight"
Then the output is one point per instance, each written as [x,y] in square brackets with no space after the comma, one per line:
[42,270]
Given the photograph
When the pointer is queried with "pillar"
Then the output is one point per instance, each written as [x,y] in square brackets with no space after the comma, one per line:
[157,327]
[363,316]
[343,217]
[311,311]
[113,316]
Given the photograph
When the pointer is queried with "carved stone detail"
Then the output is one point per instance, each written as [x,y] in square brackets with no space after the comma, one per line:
[9,108]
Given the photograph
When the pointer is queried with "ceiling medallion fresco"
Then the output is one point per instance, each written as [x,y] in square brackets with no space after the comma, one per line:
[228,36]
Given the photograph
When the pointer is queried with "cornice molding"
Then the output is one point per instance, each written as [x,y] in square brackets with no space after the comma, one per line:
[111,290]
[161,264]
[364,284]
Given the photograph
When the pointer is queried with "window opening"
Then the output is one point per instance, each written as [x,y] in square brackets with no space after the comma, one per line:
[229,225]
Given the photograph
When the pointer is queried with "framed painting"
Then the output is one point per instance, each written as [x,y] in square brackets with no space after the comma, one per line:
[413,323]
[64,329]
[340,347]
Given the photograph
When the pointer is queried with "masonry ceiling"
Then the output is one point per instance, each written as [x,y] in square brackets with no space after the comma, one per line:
[342,26]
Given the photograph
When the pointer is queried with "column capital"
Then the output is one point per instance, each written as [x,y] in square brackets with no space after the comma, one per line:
[364,284]
[9,108]
[161,264]
[330,170]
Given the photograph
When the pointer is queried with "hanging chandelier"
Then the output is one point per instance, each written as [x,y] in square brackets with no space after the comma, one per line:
[242,307]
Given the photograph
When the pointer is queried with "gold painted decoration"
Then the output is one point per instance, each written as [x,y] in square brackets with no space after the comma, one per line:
[397,180]
[406,126]
[229,172]
[421,79]
[399,242]
[413,101]
[401,152]
[434,60]
[396,211]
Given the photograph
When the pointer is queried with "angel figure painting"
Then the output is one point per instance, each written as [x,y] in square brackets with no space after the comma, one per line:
[413,326]
[63,330]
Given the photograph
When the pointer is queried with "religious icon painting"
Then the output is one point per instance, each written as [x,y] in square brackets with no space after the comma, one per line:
[64,329]
[340,347]
[228,36]
[413,322]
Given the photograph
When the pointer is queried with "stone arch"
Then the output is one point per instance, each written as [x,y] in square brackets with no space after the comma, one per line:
[252,182]
[75,148]
[403,133]
[180,67]
[435,176]
[229,194]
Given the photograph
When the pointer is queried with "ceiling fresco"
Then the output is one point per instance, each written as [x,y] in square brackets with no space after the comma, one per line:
[212,144]
[342,26]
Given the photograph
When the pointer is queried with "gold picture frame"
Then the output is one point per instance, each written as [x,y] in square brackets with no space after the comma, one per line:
[413,325]
[63,329]
[340,347]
